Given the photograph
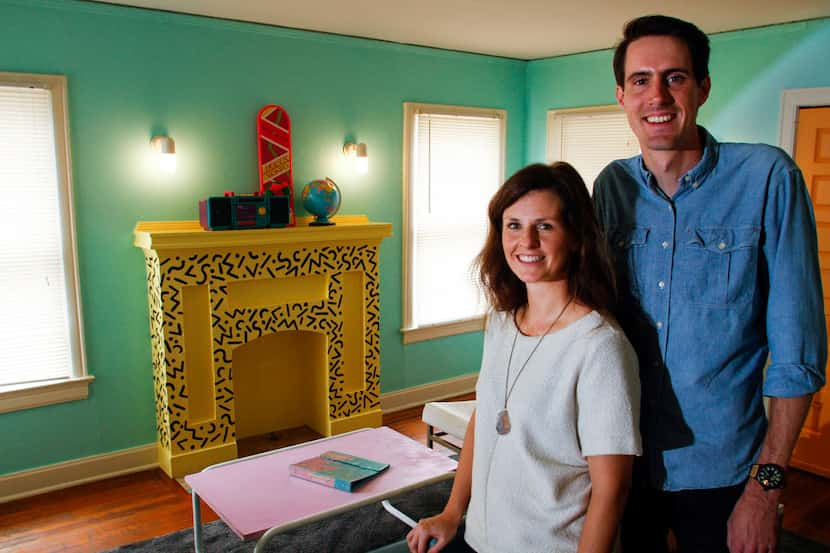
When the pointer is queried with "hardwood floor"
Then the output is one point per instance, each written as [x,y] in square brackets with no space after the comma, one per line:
[106,514]
[806,502]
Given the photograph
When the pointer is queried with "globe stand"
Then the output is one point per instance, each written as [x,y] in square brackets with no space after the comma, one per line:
[321,222]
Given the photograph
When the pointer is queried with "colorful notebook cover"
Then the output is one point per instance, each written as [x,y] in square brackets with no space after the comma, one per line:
[337,470]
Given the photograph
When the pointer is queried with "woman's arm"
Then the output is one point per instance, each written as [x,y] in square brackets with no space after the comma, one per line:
[610,480]
[443,526]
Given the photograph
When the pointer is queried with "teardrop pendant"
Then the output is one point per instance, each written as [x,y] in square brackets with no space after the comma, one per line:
[503,422]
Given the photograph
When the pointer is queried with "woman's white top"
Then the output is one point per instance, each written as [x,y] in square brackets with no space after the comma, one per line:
[578,396]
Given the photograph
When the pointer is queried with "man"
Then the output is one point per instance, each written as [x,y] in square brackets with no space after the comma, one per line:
[716,254]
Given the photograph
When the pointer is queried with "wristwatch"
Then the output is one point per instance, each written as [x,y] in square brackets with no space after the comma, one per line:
[769,475]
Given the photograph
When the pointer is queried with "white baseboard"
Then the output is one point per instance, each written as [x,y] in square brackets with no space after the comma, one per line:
[434,391]
[26,483]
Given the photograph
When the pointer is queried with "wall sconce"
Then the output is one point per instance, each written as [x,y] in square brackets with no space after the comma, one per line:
[166,149]
[360,154]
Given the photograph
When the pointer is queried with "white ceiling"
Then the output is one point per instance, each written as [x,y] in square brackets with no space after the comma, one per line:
[523,29]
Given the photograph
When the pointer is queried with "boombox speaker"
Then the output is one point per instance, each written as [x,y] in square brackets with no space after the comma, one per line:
[245,212]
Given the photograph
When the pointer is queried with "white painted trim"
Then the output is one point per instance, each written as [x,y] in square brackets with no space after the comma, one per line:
[791,101]
[31,482]
[553,145]
[57,86]
[26,396]
[434,391]
[410,109]
[422,333]
[408,243]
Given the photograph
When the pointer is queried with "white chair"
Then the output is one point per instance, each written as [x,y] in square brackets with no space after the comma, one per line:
[447,418]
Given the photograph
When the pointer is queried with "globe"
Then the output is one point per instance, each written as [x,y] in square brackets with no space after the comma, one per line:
[321,198]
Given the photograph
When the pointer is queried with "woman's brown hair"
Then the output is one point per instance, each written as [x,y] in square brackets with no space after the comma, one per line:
[590,273]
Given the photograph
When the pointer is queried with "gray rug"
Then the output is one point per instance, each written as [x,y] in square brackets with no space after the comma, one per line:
[357,531]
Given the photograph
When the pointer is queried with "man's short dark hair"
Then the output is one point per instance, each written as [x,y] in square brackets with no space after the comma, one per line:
[661,25]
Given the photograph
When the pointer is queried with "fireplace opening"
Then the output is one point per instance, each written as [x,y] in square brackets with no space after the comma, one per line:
[281,390]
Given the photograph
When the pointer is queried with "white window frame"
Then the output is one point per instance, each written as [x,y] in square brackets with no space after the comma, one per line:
[16,397]
[412,333]
[554,146]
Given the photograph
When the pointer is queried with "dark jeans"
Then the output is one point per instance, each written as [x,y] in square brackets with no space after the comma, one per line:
[697,518]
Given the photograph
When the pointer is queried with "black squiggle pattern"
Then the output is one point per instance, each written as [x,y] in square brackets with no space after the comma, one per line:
[231,327]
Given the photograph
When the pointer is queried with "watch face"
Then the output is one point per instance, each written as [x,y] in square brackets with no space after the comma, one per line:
[770,477]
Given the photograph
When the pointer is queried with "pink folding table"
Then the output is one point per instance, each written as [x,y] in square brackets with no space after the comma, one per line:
[256,497]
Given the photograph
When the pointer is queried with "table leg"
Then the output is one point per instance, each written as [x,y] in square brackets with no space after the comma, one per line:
[406,519]
[262,542]
[197,524]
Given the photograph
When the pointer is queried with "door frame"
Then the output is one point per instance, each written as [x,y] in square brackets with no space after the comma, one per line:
[791,100]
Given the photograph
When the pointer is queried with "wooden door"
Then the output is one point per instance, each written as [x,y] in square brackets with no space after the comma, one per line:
[812,153]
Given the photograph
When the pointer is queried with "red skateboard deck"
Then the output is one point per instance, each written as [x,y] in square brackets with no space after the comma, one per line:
[276,173]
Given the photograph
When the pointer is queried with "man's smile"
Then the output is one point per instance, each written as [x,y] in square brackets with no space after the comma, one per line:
[665,118]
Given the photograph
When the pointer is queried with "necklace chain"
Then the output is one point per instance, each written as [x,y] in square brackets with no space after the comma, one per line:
[507,392]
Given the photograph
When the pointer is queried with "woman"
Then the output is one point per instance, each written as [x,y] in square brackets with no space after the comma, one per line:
[547,456]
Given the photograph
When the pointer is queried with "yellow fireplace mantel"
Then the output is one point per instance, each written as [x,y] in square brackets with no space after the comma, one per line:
[156,235]
[302,302]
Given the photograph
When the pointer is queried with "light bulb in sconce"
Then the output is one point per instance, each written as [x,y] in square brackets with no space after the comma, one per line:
[165,147]
[361,162]
[360,153]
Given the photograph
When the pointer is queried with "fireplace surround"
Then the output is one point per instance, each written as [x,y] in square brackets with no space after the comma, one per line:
[259,330]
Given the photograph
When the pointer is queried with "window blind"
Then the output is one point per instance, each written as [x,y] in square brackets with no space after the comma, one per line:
[589,140]
[457,167]
[35,342]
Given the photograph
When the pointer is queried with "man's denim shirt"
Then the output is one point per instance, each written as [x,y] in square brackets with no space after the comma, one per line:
[711,281]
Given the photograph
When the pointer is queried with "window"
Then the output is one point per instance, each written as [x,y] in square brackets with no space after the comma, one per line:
[453,164]
[40,323]
[590,138]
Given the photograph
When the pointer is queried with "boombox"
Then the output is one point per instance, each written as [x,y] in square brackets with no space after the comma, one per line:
[245,212]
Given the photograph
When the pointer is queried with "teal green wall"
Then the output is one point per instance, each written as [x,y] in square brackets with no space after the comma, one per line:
[749,71]
[132,71]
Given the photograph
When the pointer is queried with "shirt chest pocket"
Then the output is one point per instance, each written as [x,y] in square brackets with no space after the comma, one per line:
[629,250]
[718,265]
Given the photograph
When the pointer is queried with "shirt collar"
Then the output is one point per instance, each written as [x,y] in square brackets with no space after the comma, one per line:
[697,173]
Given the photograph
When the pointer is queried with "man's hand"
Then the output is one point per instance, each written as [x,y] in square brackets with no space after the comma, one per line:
[753,525]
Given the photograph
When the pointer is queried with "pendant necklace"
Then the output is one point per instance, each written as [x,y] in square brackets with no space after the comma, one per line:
[503,418]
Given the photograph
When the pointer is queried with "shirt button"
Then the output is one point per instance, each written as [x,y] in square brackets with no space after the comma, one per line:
[661,284]
[695,184]
[659,324]
[688,178]
[665,245]
[722,246]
